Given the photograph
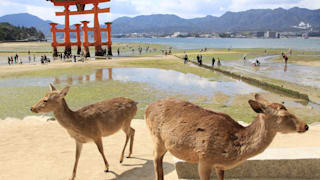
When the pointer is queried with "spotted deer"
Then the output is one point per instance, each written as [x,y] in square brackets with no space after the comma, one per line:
[213,139]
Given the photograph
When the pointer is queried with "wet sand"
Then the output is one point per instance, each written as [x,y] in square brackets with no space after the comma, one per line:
[5,69]
[34,149]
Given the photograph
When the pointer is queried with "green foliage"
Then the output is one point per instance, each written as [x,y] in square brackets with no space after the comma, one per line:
[12,33]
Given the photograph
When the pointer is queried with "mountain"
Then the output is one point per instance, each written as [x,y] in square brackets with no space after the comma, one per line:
[9,32]
[27,20]
[250,20]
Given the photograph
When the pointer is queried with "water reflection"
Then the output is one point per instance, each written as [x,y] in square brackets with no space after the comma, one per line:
[285,67]
[164,80]
[70,80]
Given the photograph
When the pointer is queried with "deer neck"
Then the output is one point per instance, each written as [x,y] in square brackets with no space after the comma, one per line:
[64,114]
[257,136]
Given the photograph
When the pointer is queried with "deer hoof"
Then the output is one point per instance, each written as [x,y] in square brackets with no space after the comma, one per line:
[121,161]
[128,157]
[106,171]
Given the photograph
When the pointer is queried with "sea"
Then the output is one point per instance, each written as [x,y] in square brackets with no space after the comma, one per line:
[199,43]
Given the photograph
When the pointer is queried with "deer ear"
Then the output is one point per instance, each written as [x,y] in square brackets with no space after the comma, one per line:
[64,91]
[260,99]
[257,107]
[52,87]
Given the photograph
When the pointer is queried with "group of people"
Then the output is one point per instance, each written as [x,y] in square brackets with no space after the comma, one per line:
[14,60]
[18,60]
[44,59]
[199,60]
[213,61]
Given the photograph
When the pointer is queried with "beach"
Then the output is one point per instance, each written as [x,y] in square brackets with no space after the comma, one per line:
[34,149]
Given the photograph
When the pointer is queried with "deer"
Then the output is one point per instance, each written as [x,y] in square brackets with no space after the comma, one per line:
[213,139]
[90,123]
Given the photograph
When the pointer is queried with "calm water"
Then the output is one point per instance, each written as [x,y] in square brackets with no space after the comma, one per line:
[198,43]
[164,80]
[304,75]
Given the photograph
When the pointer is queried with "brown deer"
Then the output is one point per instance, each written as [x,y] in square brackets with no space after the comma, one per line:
[90,123]
[212,139]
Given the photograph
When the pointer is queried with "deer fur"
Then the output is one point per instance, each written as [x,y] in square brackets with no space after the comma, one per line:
[90,123]
[213,139]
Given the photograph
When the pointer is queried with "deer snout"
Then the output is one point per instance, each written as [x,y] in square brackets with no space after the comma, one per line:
[33,110]
[303,128]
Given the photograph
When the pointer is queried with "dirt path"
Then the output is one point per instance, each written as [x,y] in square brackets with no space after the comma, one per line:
[33,149]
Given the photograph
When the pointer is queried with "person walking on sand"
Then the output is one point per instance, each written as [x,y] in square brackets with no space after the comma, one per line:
[200,60]
[9,61]
[185,59]
[285,58]
[118,50]
[213,61]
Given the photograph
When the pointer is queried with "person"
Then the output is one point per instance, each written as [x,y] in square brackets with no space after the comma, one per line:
[34,58]
[219,62]
[213,61]
[257,62]
[285,59]
[200,60]
[186,59]
[29,59]
[9,61]
[74,58]
[118,50]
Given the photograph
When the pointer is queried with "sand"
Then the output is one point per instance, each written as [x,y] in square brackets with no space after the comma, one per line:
[5,69]
[34,149]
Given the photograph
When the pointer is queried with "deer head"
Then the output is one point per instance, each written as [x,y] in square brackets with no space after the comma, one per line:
[284,121]
[50,101]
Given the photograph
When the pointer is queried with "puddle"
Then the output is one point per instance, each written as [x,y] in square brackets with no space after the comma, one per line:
[305,75]
[164,80]
[169,81]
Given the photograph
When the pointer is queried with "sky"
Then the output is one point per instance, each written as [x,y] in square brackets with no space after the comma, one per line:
[183,8]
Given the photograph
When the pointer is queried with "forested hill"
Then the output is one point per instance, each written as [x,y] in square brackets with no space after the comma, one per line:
[9,32]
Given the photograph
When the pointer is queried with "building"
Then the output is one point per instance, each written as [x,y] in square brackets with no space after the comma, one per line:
[271,34]
[260,34]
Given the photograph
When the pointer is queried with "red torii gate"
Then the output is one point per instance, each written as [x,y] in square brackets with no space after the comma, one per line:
[80,4]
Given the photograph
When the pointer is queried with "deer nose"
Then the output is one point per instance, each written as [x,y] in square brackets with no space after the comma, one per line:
[306,127]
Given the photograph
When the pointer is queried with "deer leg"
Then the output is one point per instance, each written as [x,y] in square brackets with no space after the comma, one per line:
[204,170]
[131,141]
[129,134]
[100,148]
[220,174]
[124,148]
[78,152]
[158,153]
